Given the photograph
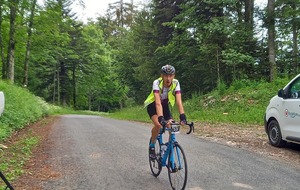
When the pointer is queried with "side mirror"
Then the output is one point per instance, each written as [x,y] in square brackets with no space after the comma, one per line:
[2,103]
[281,93]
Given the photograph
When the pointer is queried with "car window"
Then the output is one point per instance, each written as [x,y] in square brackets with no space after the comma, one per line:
[295,89]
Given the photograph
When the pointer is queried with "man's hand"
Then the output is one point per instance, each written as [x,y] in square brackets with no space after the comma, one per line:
[182,119]
[162,121]
[170,121]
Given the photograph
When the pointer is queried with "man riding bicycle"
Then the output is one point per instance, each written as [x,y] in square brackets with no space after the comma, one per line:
[165,91]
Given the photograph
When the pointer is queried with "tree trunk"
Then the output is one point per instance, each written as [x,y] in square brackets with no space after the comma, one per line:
[74,83]
[27,54]
[90,101]
[11,45]
[271,38]
[63,82]
[249,9]
[295,41]
[4,68]
[295,49]
[218,69]
[54,87]
[121,12]
[58,87]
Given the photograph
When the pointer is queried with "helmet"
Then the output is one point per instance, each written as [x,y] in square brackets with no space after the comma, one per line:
[168,70]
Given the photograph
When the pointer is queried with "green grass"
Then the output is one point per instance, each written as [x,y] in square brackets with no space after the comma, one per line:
[244,102]
[21,109]
[14,157]
[134,113]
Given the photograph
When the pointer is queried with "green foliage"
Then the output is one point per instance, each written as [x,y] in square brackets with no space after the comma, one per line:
[134,113]
[221,88]
[13,158]
[243,103]
[21,109]
[236,59]
[110,63]
[134,62]
[97,86]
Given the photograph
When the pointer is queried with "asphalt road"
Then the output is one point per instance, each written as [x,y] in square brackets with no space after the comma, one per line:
[97,153]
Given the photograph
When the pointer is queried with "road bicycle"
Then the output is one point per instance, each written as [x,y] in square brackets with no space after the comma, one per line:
[171,156]
[8,185]
[3,178]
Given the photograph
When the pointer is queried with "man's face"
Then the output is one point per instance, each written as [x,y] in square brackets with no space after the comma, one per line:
[167,80]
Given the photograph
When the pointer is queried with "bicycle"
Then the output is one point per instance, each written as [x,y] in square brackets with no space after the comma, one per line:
[8,185]
[171,156]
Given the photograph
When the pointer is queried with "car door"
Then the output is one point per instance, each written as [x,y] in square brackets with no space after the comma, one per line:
[291,109]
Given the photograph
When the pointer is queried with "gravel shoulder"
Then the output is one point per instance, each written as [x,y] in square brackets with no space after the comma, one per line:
[252,138]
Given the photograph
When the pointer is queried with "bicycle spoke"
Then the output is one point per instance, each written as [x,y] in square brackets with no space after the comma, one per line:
[174,159]
[177,169]
[155,164]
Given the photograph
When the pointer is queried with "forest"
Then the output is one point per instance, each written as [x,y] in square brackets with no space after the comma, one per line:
[110,62]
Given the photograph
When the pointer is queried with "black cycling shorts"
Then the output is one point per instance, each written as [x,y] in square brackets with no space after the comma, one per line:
[151,109]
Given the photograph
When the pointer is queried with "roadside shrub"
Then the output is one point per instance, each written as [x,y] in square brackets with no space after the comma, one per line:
[21,109]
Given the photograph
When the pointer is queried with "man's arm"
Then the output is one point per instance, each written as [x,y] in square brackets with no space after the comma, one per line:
[158,105]
[180,109]
[179,103]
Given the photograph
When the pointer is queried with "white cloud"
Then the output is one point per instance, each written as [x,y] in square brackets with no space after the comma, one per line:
[94,8]
[261,3]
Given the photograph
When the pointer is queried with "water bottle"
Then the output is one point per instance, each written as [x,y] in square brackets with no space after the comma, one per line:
[163,149]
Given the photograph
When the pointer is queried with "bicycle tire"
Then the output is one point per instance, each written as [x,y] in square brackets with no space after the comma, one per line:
[178,173]
[155,165]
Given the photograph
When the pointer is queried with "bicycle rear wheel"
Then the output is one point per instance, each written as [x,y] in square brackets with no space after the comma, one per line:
[177,169]
[155,164]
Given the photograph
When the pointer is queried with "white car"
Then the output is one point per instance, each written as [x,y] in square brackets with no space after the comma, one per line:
[282,118]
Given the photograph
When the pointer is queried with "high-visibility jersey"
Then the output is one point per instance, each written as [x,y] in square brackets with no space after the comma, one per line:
[166,94]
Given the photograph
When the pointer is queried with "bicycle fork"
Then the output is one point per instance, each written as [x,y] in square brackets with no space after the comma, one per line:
[175,156]
[172,153]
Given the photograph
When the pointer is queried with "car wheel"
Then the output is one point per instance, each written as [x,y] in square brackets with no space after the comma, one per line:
[274,134]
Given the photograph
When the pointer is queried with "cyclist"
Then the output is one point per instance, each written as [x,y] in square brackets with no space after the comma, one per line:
[165,91]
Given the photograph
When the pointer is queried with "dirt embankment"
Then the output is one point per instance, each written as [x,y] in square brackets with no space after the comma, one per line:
[253,138]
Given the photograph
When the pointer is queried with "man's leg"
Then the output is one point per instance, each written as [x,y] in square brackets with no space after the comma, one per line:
[154,134]
[156,128]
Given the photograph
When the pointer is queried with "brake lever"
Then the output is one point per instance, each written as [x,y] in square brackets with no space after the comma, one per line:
[163,129]
[191,127]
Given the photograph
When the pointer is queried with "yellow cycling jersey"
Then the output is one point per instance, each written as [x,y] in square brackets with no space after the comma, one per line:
[171,92]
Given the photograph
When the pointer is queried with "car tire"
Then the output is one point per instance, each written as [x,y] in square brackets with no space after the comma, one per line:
[274,134]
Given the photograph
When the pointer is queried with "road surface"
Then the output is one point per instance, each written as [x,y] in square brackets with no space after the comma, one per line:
[97,153]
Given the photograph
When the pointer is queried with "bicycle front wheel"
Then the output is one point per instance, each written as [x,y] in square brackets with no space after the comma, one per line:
[155,164]
[177,168]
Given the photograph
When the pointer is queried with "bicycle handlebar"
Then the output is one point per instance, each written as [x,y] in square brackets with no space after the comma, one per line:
[191,125]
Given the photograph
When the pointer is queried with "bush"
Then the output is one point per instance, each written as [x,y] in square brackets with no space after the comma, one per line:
[244,102]
[21,109]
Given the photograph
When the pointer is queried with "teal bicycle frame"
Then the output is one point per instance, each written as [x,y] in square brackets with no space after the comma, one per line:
[172,157]
[169,152]
[170,145]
